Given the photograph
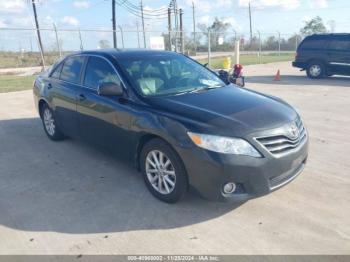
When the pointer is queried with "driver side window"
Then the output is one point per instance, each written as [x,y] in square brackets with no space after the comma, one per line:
[99,71]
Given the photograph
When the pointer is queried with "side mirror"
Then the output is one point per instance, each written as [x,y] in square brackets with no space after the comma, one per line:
[205,65]
[110,89]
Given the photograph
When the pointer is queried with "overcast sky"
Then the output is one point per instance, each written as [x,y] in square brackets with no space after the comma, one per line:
[269,16]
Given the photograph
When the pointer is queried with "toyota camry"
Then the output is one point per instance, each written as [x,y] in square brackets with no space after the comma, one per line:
[175,121]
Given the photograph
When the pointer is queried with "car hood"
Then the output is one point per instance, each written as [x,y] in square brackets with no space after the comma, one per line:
[228,110]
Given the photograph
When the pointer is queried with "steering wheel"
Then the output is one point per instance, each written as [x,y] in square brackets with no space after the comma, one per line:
[182,81]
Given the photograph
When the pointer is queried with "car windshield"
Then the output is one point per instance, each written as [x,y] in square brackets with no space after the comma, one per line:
[159,75]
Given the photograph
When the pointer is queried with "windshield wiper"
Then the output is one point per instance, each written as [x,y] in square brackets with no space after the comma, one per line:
[205,88]
[199,89]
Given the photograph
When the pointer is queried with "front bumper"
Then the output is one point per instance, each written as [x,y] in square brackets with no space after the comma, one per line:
[299,64]
[209,171]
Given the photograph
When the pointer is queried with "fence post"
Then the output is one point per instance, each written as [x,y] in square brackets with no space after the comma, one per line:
[81,41]
[209,51]
[57,42]
[122,33]
[237,51]
[259,46]
[279,43]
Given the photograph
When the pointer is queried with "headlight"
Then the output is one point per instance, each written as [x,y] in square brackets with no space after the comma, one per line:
[225,145]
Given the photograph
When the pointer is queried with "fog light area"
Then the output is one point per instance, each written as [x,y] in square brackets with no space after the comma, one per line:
[229,188]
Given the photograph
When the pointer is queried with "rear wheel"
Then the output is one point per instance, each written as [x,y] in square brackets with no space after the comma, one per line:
[50,125]
[315,70]
[163,171]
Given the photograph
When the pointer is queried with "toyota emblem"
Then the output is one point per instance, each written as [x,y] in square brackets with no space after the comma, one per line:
[293,131]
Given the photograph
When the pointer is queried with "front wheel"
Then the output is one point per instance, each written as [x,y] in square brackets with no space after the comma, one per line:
[315,70]
[163,171]
[50,125]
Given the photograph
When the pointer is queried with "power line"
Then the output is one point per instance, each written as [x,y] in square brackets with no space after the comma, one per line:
[150,14]
[139,13]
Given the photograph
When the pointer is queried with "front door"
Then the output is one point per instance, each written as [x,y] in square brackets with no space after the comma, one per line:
[103,120]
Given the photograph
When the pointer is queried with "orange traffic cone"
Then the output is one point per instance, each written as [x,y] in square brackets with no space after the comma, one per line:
[278,76]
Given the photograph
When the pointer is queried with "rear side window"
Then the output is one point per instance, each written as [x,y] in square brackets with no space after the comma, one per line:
[340,44]
[99,71]
[56,73]
[71,69]
[313,44]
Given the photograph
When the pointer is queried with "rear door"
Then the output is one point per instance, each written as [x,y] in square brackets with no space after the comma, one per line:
[339,54]
[313,47]
[103,120]
[64,86]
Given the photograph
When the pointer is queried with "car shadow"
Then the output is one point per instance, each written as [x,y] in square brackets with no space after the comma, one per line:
[71,187]
[300,80]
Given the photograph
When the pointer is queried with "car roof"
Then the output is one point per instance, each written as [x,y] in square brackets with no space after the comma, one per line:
[326,35]
[123,53]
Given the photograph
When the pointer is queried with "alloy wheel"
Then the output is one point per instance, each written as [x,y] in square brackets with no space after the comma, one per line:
[160,172]
[49,122]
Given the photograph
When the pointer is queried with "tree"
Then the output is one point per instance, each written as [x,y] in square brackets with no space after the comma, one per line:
[217,29]
[103,44]
[271,43]
[314,26]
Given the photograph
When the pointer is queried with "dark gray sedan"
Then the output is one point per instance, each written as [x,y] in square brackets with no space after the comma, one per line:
[175,121]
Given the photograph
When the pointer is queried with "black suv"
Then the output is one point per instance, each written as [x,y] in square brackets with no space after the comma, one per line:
[324,55]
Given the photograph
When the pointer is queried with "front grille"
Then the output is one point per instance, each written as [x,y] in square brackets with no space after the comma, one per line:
[278,181]
[282,143]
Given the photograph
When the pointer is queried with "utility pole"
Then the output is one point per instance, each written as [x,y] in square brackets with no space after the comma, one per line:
[194,28]
[250,25]
[115,45]
[138,35]
[182,32]
[176,24]
[169,28]
[143,26]
[38,33]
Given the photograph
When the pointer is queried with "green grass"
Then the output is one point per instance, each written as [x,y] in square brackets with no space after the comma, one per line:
[217,62]
[11,83]
[16,59]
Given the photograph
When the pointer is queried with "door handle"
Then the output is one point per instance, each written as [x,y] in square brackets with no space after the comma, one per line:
[49,86]
[82,97]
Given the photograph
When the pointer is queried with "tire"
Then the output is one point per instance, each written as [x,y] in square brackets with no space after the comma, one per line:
[169,178]
[315,70]
[49,123]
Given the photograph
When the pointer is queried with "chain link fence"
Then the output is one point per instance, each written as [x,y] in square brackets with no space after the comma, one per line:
[19,46]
